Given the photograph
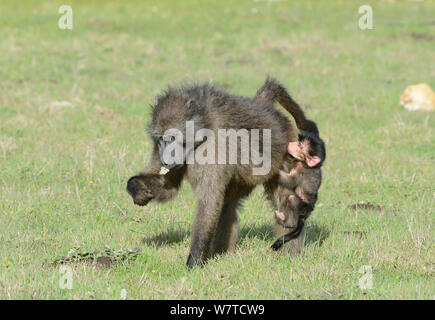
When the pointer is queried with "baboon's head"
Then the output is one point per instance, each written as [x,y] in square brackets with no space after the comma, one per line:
[144,188]
[172,113]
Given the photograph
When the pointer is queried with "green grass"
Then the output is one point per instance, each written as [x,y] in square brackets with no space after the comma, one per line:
[64,169]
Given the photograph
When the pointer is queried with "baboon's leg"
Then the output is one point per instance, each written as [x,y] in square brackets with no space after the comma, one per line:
[204,230]
[294,246]
[227,230]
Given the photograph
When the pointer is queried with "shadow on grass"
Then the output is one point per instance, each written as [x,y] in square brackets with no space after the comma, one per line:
[263,232]
[168,237]
[314,234]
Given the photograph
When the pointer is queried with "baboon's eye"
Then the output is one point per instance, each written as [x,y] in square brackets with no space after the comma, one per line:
[169,138]
[156,137]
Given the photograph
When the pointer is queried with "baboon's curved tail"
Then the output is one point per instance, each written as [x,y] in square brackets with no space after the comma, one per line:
[273,91]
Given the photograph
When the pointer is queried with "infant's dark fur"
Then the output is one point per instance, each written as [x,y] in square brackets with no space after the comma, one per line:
[300,185]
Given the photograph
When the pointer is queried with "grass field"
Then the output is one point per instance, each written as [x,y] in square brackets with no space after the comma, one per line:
[64,166]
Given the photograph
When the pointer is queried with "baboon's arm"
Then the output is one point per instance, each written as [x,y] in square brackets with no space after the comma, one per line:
[172,183]
[171,180]
[155,164]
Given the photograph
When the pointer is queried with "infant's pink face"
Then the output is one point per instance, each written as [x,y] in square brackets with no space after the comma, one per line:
[294,148]
[299,150]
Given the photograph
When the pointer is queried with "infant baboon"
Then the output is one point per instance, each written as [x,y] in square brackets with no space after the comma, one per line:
[287,217]
[301,185]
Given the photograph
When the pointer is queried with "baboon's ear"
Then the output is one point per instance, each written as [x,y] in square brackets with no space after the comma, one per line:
[313,161]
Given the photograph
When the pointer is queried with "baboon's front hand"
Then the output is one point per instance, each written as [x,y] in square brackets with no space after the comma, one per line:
[142,198]
[136,188]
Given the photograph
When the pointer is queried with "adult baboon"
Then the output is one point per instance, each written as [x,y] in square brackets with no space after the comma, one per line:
[219,186]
